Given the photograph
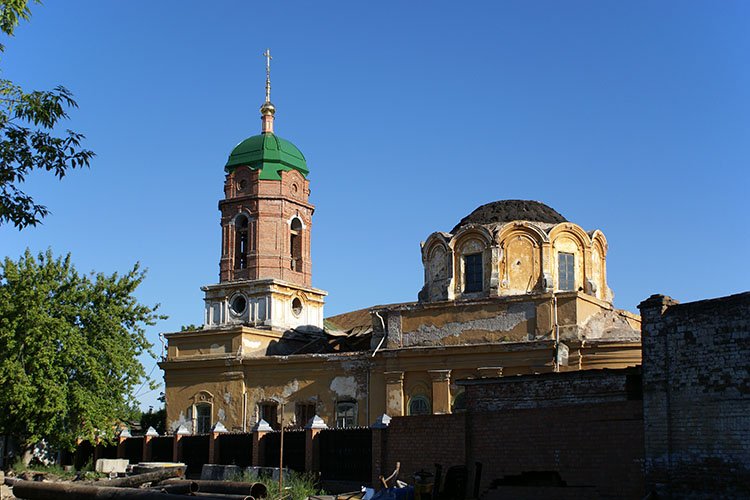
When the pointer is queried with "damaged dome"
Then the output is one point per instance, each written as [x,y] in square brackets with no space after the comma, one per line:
[510,210]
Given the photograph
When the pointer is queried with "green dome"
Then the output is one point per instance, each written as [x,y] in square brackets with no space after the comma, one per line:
[269,153]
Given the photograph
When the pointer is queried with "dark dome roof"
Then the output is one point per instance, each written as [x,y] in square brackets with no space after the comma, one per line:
[510,210]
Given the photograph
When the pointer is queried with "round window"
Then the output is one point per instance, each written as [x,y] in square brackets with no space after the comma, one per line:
[238,304]
[242,184]
[296,306]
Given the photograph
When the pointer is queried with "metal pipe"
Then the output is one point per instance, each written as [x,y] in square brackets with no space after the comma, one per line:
[244,410]
[281,455]
[384,333]
[557,334]
[179,488]
[256,490]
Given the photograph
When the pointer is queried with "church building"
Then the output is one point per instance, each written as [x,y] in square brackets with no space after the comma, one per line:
[514,288]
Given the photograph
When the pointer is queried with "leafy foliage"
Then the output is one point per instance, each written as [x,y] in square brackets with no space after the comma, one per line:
[27,135]
[68,348]
[156,419]
[191,328]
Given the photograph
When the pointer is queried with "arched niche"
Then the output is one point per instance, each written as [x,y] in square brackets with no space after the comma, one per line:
[520,258]
[438,270]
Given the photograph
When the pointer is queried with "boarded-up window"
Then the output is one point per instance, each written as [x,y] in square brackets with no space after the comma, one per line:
[270,413]
[303,413]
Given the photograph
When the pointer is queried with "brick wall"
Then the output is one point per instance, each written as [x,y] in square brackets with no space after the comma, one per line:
[696,383]
[597,446]
[584,428]
[552,390]
[422,441]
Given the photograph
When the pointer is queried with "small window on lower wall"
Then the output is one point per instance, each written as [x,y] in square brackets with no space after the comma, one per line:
[303,413]
[419,405]
[346,414]
[459,402]
[269,411]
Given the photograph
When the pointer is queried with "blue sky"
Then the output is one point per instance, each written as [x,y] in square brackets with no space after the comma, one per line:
[631,117]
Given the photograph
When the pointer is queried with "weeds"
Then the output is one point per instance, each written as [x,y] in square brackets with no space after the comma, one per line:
[296,487]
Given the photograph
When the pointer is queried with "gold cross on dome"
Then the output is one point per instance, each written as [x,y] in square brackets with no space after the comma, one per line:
[267,55]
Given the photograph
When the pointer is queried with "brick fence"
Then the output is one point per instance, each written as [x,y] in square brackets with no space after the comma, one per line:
[696,383]
[583,429]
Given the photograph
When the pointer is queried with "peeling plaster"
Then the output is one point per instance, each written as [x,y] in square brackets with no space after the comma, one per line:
[394,401]
[252,344]
[227,398]
[181,420]
[345,387]
[290,389]
[221,415]
[609,325]
[503,322]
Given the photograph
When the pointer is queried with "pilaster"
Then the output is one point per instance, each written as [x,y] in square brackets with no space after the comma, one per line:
[441,392]
[394,393]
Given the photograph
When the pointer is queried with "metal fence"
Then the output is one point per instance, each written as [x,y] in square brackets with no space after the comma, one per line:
[133,449]
[294,449]
[162,448]
[106,450]
[194,453]
[83,454]
[235,449]
[346,454]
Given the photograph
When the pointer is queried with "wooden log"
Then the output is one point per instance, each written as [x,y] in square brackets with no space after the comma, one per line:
[146,477]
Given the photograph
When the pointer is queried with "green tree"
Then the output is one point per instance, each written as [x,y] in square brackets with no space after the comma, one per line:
[69,344]
[27,139]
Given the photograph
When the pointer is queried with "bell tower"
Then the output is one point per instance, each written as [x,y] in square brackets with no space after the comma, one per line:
[265,271]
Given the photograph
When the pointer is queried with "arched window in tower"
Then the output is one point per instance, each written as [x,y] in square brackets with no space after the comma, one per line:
[295,244]
[241,242]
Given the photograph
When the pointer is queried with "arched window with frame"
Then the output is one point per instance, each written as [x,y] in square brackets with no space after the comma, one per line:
[419,405]
[202,418]
[295,244]
[241,239]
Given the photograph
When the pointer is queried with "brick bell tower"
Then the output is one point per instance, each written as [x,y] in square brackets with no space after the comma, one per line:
[265,277]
